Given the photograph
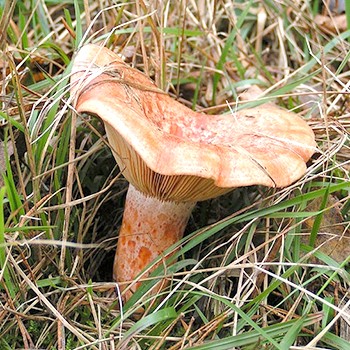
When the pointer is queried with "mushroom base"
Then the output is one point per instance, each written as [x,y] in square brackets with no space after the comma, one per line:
[149,227]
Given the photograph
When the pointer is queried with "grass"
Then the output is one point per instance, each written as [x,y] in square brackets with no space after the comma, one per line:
[257,268]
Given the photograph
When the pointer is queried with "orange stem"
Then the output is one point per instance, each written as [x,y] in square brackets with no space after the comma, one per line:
[149,227]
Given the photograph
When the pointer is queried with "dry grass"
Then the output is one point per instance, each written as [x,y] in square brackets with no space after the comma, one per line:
[269,268]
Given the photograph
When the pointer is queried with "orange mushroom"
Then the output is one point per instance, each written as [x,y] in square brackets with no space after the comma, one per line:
[174,157]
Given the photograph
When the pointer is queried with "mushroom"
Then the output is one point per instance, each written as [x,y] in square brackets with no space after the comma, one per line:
[174,157]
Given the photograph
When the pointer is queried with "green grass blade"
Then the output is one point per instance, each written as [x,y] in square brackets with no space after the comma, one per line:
[145,322]
[2,228]
[318,219]
[228,47]
[292,333]
[347,12]
[336,342]
[5,271]
[256,337]
[79,26]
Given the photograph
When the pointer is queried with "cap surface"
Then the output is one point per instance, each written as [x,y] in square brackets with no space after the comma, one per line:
[167,150]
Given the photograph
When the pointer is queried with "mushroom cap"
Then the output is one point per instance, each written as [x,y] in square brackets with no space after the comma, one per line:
[169,151]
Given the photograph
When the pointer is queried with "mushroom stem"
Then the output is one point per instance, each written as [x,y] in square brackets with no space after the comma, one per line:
[149,227]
